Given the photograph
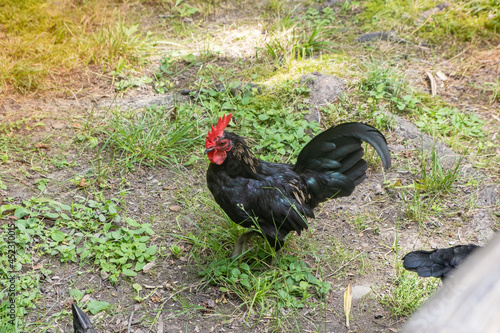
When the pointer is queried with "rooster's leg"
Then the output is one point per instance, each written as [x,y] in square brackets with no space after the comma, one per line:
[241,243]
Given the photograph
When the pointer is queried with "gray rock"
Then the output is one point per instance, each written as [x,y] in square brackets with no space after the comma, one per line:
[360,291]
[324,88]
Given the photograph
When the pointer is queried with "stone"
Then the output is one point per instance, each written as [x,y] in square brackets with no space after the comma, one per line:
[360,291]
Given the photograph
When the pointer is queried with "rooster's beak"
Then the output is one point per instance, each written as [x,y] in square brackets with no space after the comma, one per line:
[208,150]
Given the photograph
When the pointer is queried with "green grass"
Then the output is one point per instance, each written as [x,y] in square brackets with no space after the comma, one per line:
[434,177]
[175,136]
[295,36]
[385,88]
[294,44]
[44,42]
[463,21]
[434,187]
[408,292]
[153,136]
[261,286]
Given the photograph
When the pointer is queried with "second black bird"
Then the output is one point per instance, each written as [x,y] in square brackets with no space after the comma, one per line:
[438,263]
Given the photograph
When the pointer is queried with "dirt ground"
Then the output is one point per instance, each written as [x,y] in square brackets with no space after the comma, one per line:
[177,290]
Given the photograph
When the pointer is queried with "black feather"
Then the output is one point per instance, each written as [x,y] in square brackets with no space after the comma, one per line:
[81,323]
[438,263]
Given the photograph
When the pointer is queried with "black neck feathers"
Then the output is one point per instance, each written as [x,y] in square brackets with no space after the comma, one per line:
[240,160]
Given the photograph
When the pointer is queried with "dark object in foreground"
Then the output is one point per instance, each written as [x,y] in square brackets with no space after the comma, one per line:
[275,198]
[81,323]
[438,263]
[468,302]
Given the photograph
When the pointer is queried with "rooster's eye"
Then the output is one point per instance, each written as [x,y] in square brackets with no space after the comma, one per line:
[224,144]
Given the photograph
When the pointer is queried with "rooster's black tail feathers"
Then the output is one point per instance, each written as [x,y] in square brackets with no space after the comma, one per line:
[342,144]
[332,162]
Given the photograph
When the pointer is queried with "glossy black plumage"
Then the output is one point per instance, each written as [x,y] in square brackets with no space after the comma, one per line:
[81,323]
[280,196]
[438,263]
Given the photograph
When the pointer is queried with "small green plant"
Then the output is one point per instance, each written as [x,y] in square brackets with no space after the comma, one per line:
[290,284]
[276,133]
[320,18]
[84,232]
[407,293]
[2,185]
[494,89]
[154,136]
[414,205]
[361,226]
[434,178]
[42,184]
[44,226]
[131,81]
[170,68]
[183,10]
[433,182]
[294,44]
[384,83]
[175,250]
[60,162]
[450,122]
[95,307]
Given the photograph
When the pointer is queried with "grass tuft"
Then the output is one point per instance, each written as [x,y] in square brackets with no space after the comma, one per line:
[154,136]
[407,292]
[42,42]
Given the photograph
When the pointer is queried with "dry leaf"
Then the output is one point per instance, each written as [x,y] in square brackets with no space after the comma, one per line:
[175,208]
[433,83]
[83,183]
[209,305]
[148,266]
[347,303]
[148,286]
[38,266]
[396,183]
[42,146]
[222,300]
[441,76]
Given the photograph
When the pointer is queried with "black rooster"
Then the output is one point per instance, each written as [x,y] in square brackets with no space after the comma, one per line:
[81,323]
[438,263]
[277,196]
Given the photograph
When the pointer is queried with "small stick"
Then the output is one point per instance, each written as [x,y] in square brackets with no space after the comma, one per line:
[433,83]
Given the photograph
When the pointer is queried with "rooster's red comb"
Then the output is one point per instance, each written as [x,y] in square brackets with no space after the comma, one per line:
[219,129]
